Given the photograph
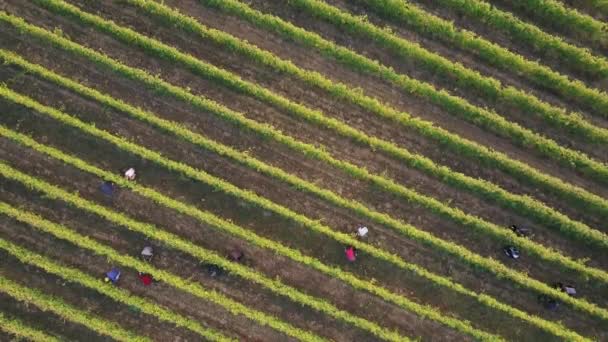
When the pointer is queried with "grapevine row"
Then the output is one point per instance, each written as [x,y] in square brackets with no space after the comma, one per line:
[194,288]
[578,58]
[494,54]
[529,206]
[21,330]
[555,14]
[237,231]
[66,311]
[245,272]
[492,121]
[119,295]
[430,203]
[523,172]
[386,184]
[469,257]
[486,118]
[220,149]
[381,218]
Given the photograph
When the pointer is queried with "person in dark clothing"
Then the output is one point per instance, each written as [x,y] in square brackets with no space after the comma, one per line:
[214,270]
[108,188]
[548,302]
[522,232]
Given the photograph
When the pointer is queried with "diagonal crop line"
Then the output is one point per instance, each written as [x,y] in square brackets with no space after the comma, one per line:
[494,54]
[275,285]
[161,50]
[571,193]
[430,203]
[486,118]
[194,288]
[501,270]
[22,330]
[389,185]
[66,311]
[117,294]
[544,213]
[524,32]
[175,128]
[556,14]
[295,255]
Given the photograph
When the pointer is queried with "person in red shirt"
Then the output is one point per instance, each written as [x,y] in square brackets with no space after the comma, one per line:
[145,278]
[351,253]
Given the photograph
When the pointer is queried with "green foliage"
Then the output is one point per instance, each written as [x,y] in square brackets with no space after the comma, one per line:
[117,294]
[66,311]
[500,57]
[556,14]
[188,286]
[487,86]
[572,194]
[22,330]
[308,150]
[265,243]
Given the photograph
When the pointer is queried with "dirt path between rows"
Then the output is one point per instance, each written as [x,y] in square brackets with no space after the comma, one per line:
[254,295]
[372,127]
[371,270]
[74,294]
[472,61]
[183,303]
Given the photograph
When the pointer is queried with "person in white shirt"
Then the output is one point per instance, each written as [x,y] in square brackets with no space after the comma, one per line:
[130,174]
[362,232]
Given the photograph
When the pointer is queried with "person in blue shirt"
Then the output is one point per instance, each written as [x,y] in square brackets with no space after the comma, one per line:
[113,275]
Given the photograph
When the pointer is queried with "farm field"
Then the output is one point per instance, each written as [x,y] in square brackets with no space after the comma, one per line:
[276,129]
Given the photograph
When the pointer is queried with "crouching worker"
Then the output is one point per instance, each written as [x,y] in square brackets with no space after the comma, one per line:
[214,270]
[568,289]
[549,303]
[145,278]
[147,253]
[112,276]
[351,253]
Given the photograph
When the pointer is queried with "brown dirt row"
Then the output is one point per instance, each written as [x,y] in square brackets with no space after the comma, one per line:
[45,321]
[369,194]
[587,7]
[388,130]
[256,296]
[572,36]
[473,62]
[183,303]
[375,272]
[381,201]
[507,219]
[505,40]
[375,51]
[77,296]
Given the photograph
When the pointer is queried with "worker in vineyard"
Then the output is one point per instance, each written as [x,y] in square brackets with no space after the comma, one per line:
[145,278]
[351,253]
[236,255]
[361,232]
[568,289]
[147,253]
[107,188]
[130,174]
[112,276]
